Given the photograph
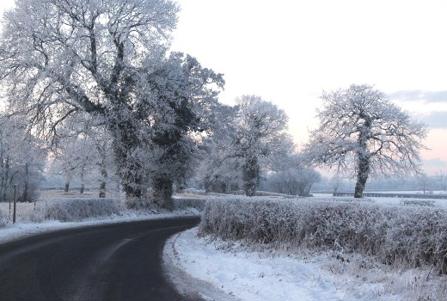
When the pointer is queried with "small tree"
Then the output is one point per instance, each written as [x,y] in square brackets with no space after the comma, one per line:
[219,169]
[260,127]
[361,131]
[22,158]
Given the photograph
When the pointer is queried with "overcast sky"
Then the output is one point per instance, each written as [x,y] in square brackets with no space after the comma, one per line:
[289,51]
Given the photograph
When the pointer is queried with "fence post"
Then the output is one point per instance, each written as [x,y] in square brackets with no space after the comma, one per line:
[15,205]
[9,206]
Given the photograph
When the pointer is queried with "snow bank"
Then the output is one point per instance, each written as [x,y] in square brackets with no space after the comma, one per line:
[402,236]
[258,275]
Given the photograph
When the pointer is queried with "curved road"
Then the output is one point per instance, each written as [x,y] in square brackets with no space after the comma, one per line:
[109,262]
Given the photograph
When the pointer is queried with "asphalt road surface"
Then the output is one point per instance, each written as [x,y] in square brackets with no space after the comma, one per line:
[111,262]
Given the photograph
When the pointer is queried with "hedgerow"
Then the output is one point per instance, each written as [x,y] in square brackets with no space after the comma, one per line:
[77,209]
[3,219]
[188,203]
[396,235]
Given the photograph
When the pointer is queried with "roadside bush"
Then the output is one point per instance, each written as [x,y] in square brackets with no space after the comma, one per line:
[427,203]
[77,209]
[409,236]
[185,203]
[3,219]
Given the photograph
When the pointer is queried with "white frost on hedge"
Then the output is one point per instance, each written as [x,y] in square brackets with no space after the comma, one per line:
[77,209]
[402,236]
[3,219]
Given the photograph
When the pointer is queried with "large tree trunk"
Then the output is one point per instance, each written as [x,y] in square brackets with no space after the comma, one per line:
[67,187]
[130,170]
[5,179]
[162,194]
[25,196]
[363,163]
[102,189]
[362,176]
[102,185]
[81,191]
[102,150]
[250,175]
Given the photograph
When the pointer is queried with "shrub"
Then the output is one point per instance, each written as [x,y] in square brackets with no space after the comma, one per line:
[77,209]
[427,203]
[410,236]
[185,203]
[3,219]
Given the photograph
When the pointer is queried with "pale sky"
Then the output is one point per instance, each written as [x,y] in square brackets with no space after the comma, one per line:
[289,51]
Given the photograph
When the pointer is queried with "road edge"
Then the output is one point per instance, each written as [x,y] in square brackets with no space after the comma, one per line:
[22,231]
[184,282]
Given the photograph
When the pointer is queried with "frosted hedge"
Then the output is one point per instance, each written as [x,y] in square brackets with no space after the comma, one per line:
[401,236]
[77,209]
[3,219]
[188,203]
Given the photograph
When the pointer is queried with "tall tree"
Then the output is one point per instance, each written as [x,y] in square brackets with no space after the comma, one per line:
[260,130]
[186,96]
[362,131]
[219,168]
[61,57]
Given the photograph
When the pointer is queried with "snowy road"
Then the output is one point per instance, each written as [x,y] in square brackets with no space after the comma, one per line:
[112,262]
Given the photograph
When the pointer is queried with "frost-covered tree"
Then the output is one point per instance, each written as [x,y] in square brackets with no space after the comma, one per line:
[219,170]
[63,57]
[292,176]
[101,141]
[22,159]
[74,156]
[82,150]
[260,129]
[186,94]
[293,181]
[362,131]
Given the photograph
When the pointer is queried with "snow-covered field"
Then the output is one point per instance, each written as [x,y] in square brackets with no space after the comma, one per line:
[259,275]
[392,201]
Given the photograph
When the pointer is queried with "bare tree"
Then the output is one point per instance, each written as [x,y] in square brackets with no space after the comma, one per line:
[442,177]
[361,131]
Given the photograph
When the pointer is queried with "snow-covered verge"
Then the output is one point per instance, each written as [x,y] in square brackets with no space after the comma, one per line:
[402,236]
[183,281]
[254,273]
[387,201]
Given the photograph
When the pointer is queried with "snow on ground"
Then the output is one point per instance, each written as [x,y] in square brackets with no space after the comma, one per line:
[277,276]
[392,201]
